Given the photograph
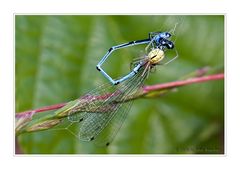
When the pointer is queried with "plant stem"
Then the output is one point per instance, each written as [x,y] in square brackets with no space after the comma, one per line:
[179,83]
[31,121]
[146,90]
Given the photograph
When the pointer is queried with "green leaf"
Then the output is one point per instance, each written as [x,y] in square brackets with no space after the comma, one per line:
[55,62]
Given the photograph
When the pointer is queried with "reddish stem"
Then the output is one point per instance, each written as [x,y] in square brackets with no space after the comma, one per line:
[30,113]
[146,89]
[182,82]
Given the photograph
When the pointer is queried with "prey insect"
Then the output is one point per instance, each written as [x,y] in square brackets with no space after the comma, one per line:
[100,113]
[155,40]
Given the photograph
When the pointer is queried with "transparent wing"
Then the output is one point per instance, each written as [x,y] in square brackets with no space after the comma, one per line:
[105,108]
[109,132]
[90,102]
[113,119]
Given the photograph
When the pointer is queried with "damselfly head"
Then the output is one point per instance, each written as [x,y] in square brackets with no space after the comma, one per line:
[167,43]
[160,36]
[155,56]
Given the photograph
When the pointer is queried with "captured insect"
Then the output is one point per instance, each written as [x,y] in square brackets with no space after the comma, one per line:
[100,113]
[158,40]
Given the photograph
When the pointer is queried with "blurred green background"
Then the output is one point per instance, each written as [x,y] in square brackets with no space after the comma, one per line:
[55,62]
